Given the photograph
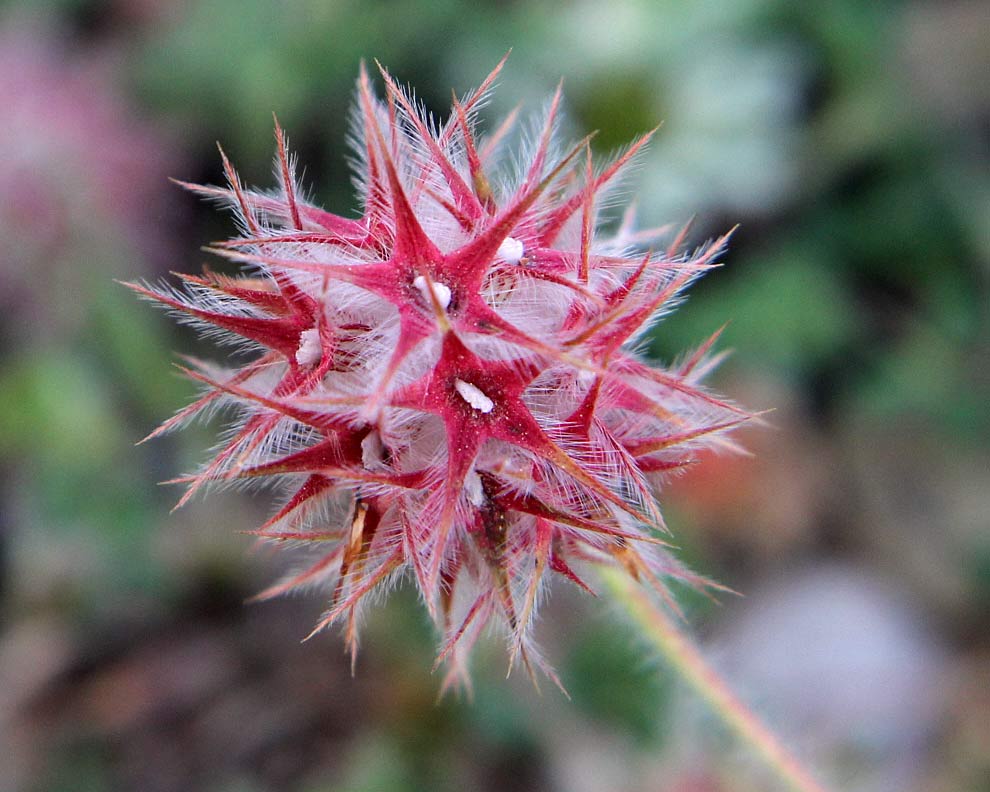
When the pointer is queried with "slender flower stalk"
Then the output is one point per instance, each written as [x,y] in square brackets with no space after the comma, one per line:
[449,387]
[684,657]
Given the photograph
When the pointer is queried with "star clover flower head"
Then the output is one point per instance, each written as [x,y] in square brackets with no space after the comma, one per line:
[449,387]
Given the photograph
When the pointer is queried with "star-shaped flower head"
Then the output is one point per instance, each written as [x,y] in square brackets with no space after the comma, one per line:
[448,386]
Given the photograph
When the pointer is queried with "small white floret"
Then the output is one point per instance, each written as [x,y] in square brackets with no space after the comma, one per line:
[310,349]
[474,396]
[511,250]
[442,291]
[473,490]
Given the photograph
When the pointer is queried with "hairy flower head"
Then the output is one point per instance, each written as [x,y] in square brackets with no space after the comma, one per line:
[448,385]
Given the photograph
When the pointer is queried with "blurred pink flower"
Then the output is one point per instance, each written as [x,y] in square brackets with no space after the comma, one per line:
[448,385]
[81,178]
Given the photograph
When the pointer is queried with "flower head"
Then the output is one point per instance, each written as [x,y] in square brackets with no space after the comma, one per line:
[448,385]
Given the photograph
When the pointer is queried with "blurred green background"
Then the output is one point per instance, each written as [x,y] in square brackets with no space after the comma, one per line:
[851,142]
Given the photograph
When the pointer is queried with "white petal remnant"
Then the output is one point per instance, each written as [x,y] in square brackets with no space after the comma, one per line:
[474,396]
[441,291]
[473,489]
[310,349]
[511,250]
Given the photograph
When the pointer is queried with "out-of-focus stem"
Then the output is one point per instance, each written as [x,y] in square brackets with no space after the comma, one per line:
[686,659]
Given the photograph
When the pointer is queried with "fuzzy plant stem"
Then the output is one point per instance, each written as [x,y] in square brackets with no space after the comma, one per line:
[684,657]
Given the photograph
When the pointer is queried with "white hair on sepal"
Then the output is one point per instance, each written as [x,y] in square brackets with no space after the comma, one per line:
[492,145]
[388,537]
[471,613]
[265,207]
[536,306]
[493,349]
[203,410]
[529,135]
[628,241]
[444,230]
[420,360]
[708,364]
[358,143]
[559,489]
[292,186]
[307,282]
[237,345]
[593,460]
[616,192]
[428,446]
[519,543]
[414,159]
[290,436]
[338,251]
[412,425]
[553,396]
[362,355]
[351,304]
[429,191]
[204,413]
[217,474]
[498,286]
[431,509]
[272,446]
[226,199]
[193,297]
[638,342]
[376,489]
[509,464]
[203,327]
[628,480]
[212,300]
[528,591]
[316,569]
[323,516]
[217,405]
[569,236]
[473,101]
[269,209]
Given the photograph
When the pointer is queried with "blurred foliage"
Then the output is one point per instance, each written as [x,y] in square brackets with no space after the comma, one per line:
[848,140]
[613,684]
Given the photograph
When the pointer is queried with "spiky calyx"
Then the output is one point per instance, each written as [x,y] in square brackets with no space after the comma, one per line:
[446,384]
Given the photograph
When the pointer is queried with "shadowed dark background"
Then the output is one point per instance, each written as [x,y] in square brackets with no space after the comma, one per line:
[850,141]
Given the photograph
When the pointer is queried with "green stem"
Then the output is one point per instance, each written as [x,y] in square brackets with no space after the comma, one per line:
[686,659]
